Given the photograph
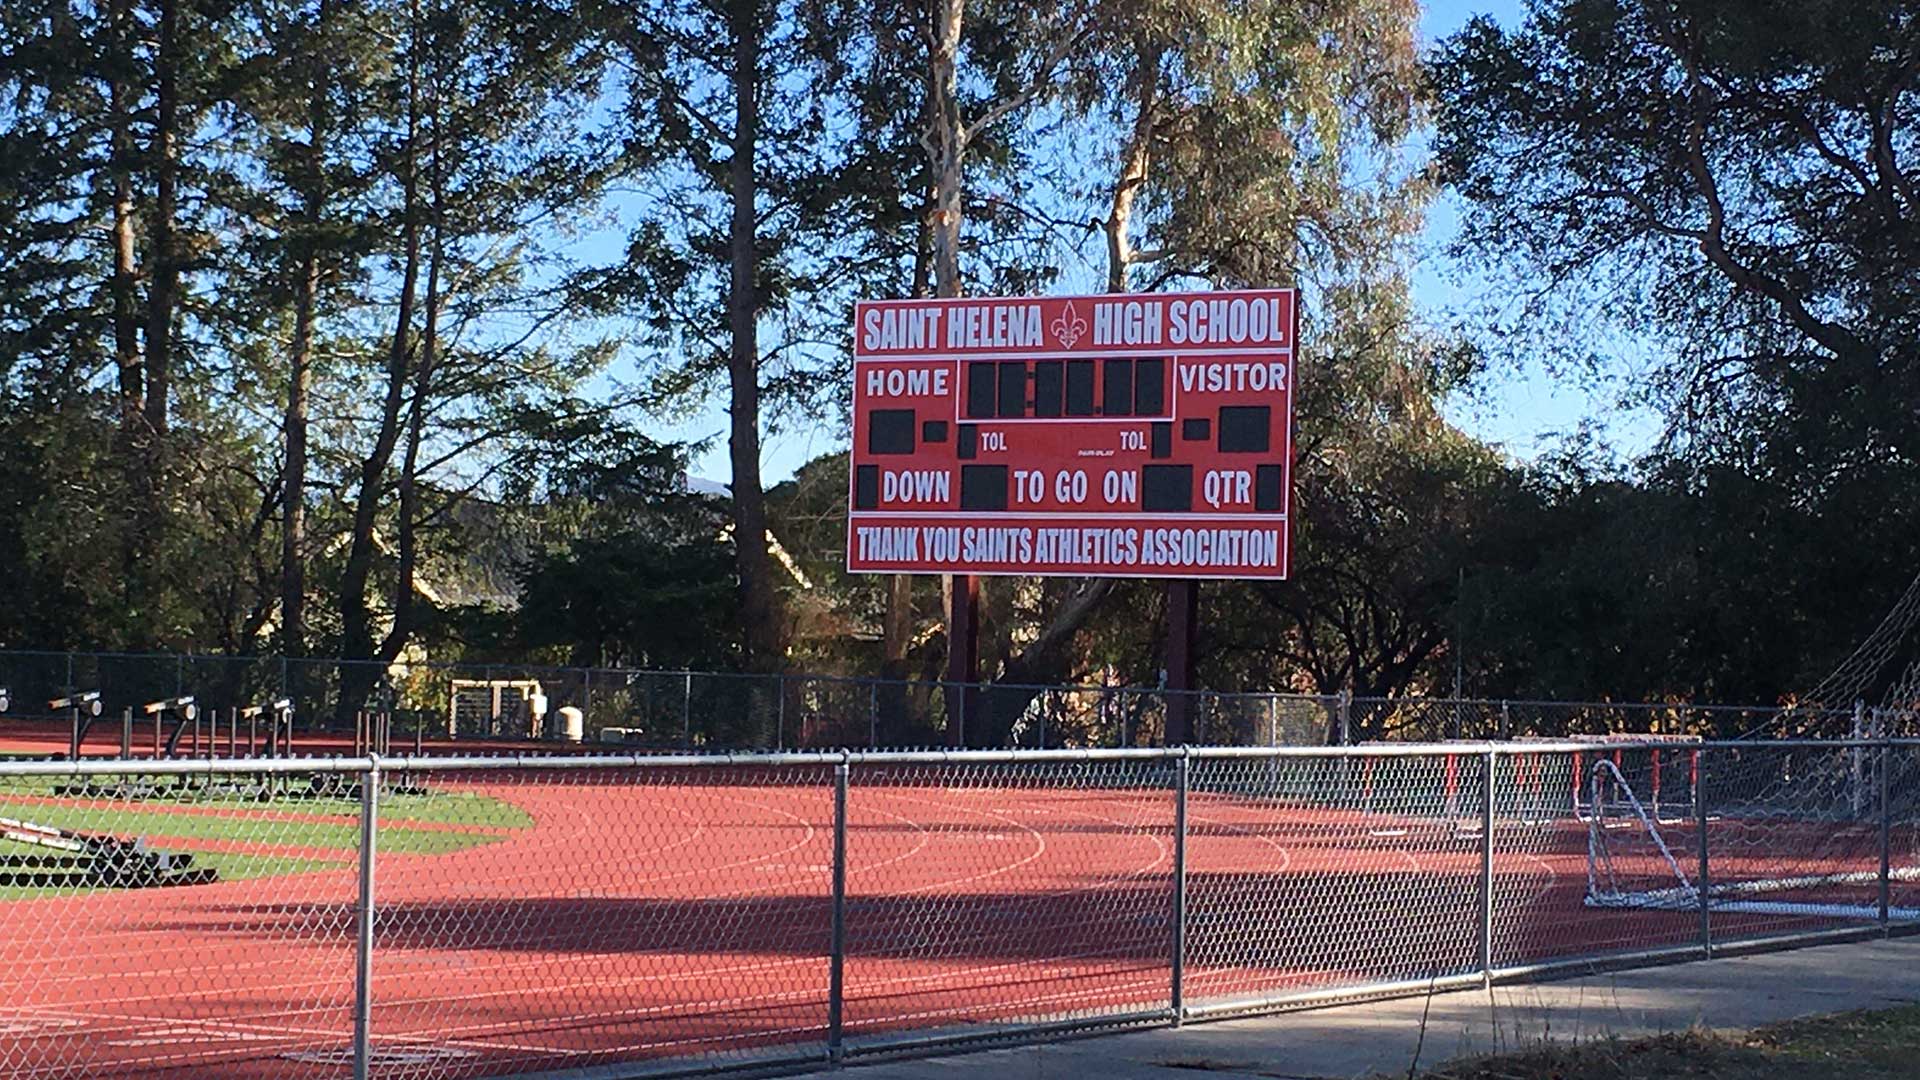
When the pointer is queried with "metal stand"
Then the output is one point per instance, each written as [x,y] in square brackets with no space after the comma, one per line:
[1183,611]
[963,652]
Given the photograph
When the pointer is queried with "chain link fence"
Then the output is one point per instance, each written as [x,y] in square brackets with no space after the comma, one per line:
[510,706]
[430,917]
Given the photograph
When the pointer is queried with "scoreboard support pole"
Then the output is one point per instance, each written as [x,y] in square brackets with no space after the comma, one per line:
[1183,610]
[963,653]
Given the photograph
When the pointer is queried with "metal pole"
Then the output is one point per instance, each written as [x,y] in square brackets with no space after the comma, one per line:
[1704,883]
[1273,720]
[1859,759]
[1506,720]
[1886,834]
[837,961]
[780,713]
[126,734]
[1486,868]
[1182,781]
[1346,718]
[686,711]
[363,956]
[873,715]
[1183,616]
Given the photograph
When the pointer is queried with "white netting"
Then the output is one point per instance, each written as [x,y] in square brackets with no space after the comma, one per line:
[1787,832]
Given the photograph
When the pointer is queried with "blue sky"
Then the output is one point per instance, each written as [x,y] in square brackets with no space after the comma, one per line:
[1522,409]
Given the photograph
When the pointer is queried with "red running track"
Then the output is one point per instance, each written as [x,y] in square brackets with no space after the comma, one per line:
[663,914]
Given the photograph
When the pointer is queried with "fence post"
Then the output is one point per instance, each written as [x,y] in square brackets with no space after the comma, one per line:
[686,711]
[873,715]
[1178,995]
[1703,882]
[363,954]
[1886,836]
[1506,719]
[1486,867]
[1273,719]
[780,714]
[1858,757]
[837,961]
[1346,717]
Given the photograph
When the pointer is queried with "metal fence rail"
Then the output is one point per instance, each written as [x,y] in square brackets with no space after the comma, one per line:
[483,916]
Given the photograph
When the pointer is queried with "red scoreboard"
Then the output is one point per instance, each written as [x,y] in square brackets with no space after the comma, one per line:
[1133,435]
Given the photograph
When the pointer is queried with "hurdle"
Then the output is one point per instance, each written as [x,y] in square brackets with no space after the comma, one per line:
[94,860]
[279,716]
[186,710]
[82,707]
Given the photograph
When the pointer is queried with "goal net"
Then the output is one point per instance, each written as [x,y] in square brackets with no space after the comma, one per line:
[1780,831]
[495,708]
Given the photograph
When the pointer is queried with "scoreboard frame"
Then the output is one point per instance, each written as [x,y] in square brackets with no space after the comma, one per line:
[1143,435]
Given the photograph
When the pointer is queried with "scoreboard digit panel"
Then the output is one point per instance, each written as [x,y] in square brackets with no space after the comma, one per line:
[1132,435]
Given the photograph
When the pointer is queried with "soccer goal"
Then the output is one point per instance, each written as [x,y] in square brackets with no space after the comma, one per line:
[494,707]
[1786,847]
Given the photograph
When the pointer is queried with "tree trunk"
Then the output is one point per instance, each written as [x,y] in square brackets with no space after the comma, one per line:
[759,600]
[161,292]
[408,525]
[1135,156]
[126,319]
[293,567]
[355,619]
[946,144]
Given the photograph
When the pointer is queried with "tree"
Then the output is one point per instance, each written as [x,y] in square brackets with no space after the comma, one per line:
[631,568]
[1735,184]
[743,173]
[485,143]
[109,209]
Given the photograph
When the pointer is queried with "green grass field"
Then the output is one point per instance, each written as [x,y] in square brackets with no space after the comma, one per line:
[283,832]
[1876,1045]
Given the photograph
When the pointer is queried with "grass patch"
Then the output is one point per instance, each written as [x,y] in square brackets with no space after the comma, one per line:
[432,824]
[438,808]
[131,819]
[1881,1044]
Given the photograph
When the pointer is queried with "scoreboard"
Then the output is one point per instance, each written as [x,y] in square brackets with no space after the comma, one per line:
[1131,435]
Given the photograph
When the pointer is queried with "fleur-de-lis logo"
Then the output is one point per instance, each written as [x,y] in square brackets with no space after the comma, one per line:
[1069,327]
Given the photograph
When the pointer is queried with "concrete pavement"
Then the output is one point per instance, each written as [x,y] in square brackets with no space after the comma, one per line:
[1383,1037]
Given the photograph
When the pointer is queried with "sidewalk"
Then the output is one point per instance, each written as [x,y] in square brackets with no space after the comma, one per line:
[1362,1040]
